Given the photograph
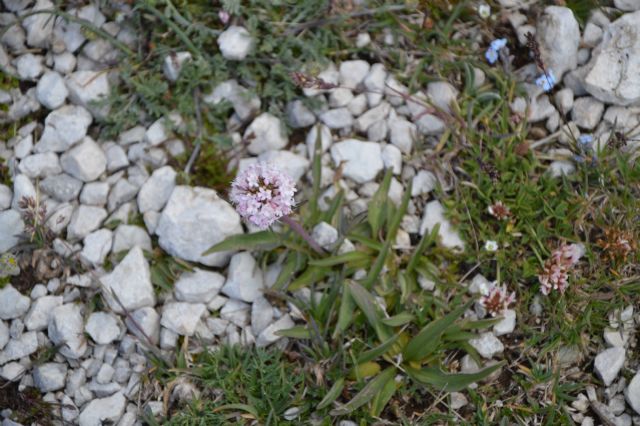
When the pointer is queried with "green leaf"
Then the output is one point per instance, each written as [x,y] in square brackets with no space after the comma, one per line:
[398,320]
[345,314]
[311,275]
[382,398]
[293,263]
[377,206]
[396,219]
[246,242]
[379,350]
[427,340]
[370,309]
[297,332]
[333,393]
[367,393]
[352,256]
[426,240]
[376,268]
[448,382]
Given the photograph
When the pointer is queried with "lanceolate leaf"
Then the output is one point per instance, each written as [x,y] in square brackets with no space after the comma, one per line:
[297,332]
[425,342]
[398,320]
[370,309]
[379,350]
[246,242]
[367,393]
[448,382]
[382,398]
[333,393]
[352,256]
[377,206]
[345,314]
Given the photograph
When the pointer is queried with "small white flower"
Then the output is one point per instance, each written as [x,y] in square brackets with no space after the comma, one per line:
[484,10]
[491,246]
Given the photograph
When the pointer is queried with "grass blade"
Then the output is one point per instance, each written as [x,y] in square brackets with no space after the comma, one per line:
[352,256]
[377,207]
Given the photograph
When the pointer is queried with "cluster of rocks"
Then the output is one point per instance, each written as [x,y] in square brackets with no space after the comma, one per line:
[599,93]
[618,403]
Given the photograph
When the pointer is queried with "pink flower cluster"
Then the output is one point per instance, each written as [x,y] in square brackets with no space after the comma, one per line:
[263,194]
[555,274]
[497,298]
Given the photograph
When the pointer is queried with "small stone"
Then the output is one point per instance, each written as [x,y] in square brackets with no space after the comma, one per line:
[558,34]
[564,100]
[129,286]
[235,43]
[458,400]
[105,374]
[50,376]
[392,158]
[94,194]
[12,303]
[199,286]
[66,329]
[312,136]
[51,90]
[487,345]
[63,128]
[269,336]
[40,165]
[193,220]
[632,393]
[352,73]
[145,324]
[362,160]
[89,89]
[299,116]
[39,315]
[291,413]
[62,187]
[430,125]
[338,118]
[84,220]
[434,214]
[608,363]
[103,327]
[340,97]
[103,411]
[587,112]
[423,183]
[244,278]
[245,104]
[12,371]
[22,187]
[441,94]
[86,161]
[507,324]
[128,236]
[173,64]
[236,312]
[265,133]
[182,318]
[358,105]
[292,164]
[29,66]
[373,116]
[64,63]
[616,338]
[116,157]
[21,347]
[97,246]
[325,235]
[374,83]
[261,315]
[39,26]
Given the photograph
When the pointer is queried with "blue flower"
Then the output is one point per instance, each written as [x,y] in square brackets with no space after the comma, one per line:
[546,81]
[585,139]
[492,52]
[498,44]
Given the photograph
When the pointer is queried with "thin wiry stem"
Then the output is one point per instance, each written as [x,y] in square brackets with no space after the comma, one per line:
[298,229]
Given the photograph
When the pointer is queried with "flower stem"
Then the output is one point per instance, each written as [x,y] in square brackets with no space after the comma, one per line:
[297,228]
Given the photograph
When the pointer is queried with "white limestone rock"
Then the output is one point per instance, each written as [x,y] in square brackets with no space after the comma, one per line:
[558,34]
[63,128]
[199,286]
[244,278]
[362,160]
[193,220]
[448,236]
[182,318]
[265,134]
[235,43]
[85,161]
[66,329]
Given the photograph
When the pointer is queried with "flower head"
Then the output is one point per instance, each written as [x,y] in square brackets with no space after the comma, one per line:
[492,52]
[499,210]
[546,81]
[585,140]
[555,274]
[497,299]
[224,16]
[491,245]
[484,10]
[263,194]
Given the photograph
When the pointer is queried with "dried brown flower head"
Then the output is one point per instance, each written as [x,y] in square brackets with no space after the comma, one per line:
[310,82]
[499,210]
[617,244]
